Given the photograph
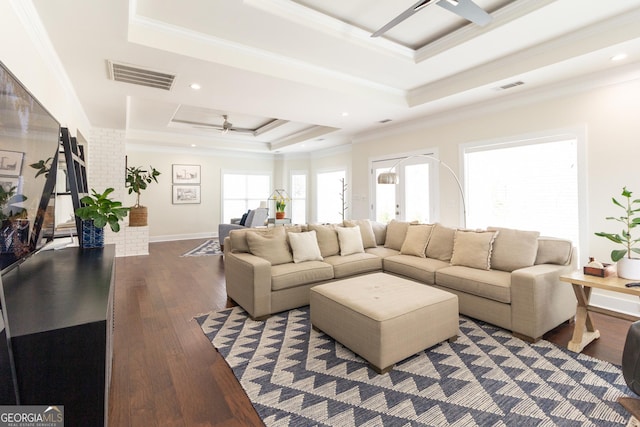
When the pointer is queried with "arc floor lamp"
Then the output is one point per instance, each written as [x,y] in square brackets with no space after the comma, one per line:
[391,177]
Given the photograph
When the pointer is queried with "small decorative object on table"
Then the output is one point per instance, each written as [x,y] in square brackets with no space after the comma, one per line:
[281,198]
[596,268]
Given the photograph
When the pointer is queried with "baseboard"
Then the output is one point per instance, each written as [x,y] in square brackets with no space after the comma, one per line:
[613,302]
[173,237]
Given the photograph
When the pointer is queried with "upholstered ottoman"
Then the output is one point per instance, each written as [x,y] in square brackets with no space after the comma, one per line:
[384,318]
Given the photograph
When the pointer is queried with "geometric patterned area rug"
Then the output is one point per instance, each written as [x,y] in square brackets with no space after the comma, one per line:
[295,376]
[210,247]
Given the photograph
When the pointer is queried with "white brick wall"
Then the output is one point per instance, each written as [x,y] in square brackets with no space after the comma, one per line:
[105,158]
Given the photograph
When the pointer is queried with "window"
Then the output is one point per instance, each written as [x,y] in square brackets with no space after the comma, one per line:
[329,196]
[298,197]
[412,198]
[531,185]
[243,191]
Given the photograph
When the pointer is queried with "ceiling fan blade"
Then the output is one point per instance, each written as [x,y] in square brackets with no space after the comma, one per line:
[404,15]
[468,10]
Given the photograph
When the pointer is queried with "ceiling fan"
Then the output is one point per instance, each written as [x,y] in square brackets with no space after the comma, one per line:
[464,8]
[228,126]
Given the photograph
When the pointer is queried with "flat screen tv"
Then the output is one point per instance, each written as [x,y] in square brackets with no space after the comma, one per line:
[29,144]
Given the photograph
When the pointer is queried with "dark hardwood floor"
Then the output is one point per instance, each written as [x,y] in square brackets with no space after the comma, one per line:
[165,371]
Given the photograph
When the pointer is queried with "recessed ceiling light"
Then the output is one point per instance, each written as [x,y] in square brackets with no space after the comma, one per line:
[194,86]
[193,145]
[619,57]
[345,114]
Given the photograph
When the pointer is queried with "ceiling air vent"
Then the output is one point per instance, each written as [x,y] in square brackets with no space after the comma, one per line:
[510,85]
[140,76]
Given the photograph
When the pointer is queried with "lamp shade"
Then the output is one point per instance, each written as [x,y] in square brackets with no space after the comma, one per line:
[388,178]
[263,204]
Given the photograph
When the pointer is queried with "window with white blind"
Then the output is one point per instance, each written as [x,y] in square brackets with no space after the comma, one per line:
[530,185]
[243,191]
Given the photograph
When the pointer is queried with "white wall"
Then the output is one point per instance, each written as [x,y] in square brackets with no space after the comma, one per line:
[188,221]
[610,116]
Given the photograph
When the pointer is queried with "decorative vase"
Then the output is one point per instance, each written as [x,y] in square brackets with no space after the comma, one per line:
[92,236]
[279,215]
[138,216]
[629,268]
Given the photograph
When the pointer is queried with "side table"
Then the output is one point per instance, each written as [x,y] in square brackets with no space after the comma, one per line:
[274,221]
[584,330]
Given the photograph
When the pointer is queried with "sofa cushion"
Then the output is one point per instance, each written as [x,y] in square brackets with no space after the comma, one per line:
[327,239]
[396,232]
[239,237]
[304,246]
[350,265]
[381,251]
[440,244]
[554,251]
[422,269]
[513,249]
[491,284]
[473,248]
[366,231]
[380,231]
[291,275]
[273,247]
[415,242]
[350,240]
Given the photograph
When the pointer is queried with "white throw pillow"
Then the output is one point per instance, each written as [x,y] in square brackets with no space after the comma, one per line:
[350,240]
[305,246]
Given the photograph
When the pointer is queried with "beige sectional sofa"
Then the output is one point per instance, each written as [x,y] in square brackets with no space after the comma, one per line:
[506,277]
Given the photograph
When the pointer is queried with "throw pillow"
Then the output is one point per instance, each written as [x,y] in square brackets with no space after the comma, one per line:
[273,248]
[473,248]
[350,240]
[327,239]
[304,246]
[440,244]
[366,230]
[380,231]
[415,243]
[513,249]
[239,237]
[396,232]
[243,220]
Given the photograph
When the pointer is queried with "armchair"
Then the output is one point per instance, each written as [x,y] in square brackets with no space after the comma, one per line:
[255,218]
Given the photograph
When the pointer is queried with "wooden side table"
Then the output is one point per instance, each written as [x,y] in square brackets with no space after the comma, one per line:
[584,330]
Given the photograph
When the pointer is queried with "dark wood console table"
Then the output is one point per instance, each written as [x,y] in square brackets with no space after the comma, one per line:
[60,314]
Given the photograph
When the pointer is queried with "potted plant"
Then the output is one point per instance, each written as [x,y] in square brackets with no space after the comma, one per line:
[628,267]
[97,211]
[14,226]
[136,181]
[281,198]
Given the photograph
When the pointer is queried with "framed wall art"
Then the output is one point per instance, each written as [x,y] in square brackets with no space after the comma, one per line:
[11,163]
[186,194]
[186,174]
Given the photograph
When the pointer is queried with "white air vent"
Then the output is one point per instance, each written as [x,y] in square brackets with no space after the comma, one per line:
[510,85]
[140,76]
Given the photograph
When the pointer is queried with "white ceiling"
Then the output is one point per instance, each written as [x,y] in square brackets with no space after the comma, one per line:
[312,67]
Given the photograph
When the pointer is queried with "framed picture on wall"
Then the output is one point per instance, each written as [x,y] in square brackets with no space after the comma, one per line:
[186,174]
[11,163]
[186,194]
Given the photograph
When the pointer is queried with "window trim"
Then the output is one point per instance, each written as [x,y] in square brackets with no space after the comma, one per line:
[224,172]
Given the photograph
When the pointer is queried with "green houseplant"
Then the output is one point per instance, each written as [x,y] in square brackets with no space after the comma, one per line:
[628,267]
[137,180]
[96,212]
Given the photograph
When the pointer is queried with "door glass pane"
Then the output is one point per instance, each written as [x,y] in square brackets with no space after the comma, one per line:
[385,203]
[329,202]
[416,187]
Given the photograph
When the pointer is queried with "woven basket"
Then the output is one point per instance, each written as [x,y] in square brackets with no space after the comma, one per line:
[138,216]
